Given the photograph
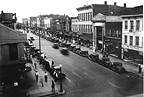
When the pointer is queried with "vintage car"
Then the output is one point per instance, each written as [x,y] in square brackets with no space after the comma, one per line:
[84,53]
[118,67]
[64,51]
[93,57]
[55,45]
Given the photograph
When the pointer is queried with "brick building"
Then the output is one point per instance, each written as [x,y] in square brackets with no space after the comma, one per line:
[132,38]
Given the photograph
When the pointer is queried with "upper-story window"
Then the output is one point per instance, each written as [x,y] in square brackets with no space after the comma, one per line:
[142,42]
[90,15]
[131,25]
[126,25]
[137,41]
[131,40]
[13,52]
[137,24]
[125,39]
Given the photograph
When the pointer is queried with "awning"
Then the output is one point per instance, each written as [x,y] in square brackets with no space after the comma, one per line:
[87,37]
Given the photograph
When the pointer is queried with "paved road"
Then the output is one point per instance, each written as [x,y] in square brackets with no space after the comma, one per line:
[88,79]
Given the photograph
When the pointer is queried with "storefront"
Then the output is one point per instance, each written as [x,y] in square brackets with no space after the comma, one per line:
[134,55]
[107,28]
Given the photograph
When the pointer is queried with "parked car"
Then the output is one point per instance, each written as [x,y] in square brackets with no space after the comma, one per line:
[93,57]
[117,67]
[76,50]
[84,53]
[103,61]
[62,44]
[55,45]
[64,51]
[67,45]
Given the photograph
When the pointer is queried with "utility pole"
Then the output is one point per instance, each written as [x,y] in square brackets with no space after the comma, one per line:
[39,42]
[39,37]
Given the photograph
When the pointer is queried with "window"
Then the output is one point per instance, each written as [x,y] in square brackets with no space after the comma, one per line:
[131,25]
[137,24]
[131,40]
[13,52]
[126,25]
[125,39]
[142,42]
[137,41]
[89,15]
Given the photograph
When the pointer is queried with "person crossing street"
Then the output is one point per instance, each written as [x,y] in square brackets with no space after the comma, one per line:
[46,76]
[37,76]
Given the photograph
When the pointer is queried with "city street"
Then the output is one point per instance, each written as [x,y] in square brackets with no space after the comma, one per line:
[85,78]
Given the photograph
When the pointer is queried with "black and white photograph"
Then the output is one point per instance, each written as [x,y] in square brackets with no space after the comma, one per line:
[71,48]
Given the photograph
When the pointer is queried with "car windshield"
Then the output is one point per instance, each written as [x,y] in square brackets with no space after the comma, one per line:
[117,63]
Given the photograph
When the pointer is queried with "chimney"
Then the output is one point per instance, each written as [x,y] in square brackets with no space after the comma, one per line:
[105,2]
[115,3]
[124,5]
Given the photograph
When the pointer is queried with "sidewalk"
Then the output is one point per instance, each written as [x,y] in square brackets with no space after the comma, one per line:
[129,66]
[37,90]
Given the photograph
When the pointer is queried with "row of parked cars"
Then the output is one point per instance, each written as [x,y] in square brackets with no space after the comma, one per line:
[105,61]
[53,69]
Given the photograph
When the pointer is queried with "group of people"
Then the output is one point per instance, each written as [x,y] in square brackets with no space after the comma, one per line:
[43,78]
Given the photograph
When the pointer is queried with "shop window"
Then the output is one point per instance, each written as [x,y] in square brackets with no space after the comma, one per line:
[13,52]
[137,41]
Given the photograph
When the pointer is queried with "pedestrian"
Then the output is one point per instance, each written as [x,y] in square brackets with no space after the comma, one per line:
[140,68]
[60,67]
[35,65]
[46,76]
[41,81]
[52,63]
[53,86]
[36,75]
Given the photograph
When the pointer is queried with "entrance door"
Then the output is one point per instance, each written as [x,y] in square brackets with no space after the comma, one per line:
[99,38]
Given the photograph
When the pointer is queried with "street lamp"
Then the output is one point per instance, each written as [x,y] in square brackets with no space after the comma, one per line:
[61,85]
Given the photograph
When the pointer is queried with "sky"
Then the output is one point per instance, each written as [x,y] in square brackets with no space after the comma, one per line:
[28,8]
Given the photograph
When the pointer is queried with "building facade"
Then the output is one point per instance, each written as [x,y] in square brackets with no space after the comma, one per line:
[12,55]
[8,19]
[33,22]
[74,24]
[85,15]
[104,23]
[132,38]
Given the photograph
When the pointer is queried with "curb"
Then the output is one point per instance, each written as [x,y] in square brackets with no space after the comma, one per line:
[57,93]
[61,93]
[54,94]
